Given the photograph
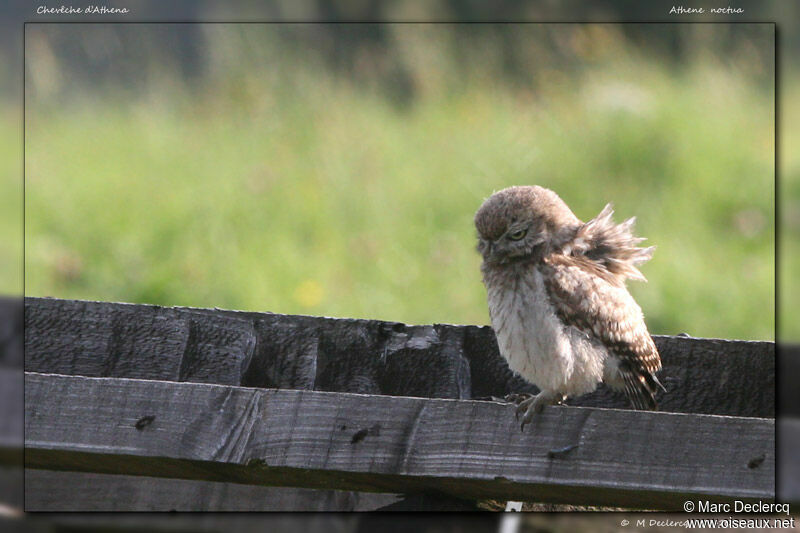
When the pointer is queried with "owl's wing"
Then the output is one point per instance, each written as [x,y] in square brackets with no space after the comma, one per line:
[597,303]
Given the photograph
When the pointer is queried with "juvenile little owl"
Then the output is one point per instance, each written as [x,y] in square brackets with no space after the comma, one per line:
[559,307]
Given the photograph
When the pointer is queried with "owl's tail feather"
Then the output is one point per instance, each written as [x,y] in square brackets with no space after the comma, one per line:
[612,246]
[641,390]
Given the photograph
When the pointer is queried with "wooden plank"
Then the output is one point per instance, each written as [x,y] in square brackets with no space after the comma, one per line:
[11,335]
[11,439]
[704,376]
[54,491]
[11,416]
[188,522]
[134,341]
[467,449]
[708,376]
[74,491]
[255,523]
[12,488]
[788,431]
[788,378]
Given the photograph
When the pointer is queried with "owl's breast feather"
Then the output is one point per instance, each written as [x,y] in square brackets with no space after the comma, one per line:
[534,341]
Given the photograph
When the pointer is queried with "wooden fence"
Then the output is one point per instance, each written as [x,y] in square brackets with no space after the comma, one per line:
[135,407]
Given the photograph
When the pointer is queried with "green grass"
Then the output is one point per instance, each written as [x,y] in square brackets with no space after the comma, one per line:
[319,197]
[10,201]
[789,192]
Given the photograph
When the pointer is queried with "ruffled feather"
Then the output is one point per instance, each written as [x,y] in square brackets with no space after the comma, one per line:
[610,246]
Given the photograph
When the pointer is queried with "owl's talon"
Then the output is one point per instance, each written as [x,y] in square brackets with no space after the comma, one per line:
[535,405]
[524,406]
[518,397]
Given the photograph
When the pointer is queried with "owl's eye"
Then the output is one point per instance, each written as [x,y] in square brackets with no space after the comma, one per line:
[517,235]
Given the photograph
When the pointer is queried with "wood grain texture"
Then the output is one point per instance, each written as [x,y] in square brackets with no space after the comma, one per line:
[707,376]
[134,341]
[54,491]
[75,491]
[469,449]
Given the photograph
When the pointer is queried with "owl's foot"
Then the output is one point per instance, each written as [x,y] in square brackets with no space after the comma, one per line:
[518,397]
[534,405]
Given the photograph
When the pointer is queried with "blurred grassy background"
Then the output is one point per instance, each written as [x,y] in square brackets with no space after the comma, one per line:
[335,170]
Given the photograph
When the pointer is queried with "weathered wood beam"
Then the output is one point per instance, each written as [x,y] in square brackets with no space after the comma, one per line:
[788,488]
[788,370]
[253,523]
[61,491]
[11,439]
[133,341]
[54,491]
[100,339]
[51,491]
[184,523]
[11,416]
[468,449]
[79,491]
[12,312]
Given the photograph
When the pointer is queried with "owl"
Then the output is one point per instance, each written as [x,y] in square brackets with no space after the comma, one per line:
[563,318]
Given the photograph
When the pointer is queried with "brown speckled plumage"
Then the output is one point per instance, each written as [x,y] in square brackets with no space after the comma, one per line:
[557,298]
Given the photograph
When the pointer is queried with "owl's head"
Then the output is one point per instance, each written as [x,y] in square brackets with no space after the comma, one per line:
[521,223]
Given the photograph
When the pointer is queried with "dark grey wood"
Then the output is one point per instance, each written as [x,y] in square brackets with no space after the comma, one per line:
[11,320]
[26,524]
[75,491]
[11,437]
[189,522]
[48,490]
[429,502]
[788,428]
[788,488]
[468,449]
[134,341]
[11,415]
[788,378]
[12,487]
[708,376]
[254,523]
